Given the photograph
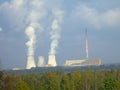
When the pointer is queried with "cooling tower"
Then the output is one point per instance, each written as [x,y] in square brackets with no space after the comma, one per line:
[40,61]
[52,60]
[30,62]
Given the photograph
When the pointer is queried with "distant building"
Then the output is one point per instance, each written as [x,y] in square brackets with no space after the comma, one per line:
[83,62]
[16,69]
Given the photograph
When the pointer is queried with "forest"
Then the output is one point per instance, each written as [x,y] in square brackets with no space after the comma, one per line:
[61,80]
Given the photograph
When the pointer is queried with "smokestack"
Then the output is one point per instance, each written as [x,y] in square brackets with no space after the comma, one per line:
[40,61]
[52,60]
[86,44]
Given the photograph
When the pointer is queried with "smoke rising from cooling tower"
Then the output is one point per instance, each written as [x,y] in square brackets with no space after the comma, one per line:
[35,14]
[55,32]
[30,32]
[37,10]
[55,36]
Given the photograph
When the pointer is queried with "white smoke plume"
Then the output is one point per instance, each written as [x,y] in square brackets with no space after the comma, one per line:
[1,29]
[30,32]
[35,13]
[55,33]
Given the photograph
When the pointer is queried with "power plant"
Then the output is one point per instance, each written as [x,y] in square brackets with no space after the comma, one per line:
[52,60]
[30,32]
[84,62]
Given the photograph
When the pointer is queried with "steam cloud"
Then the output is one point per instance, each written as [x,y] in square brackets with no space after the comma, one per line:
[55,33]
[0,29]
[36,13]
[30,32]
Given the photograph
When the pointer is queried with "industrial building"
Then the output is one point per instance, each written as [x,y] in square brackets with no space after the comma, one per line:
[95,62]
[84,62]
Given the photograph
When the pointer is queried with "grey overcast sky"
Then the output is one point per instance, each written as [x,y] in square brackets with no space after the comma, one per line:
[58,26]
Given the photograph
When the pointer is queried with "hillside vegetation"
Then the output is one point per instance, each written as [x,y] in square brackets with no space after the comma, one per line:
[58,80]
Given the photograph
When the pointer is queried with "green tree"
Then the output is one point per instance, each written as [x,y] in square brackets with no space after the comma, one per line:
[118,74]
[65,83]
[97,79]
[31,80]
[88,79]
[76,80]
[50,81]
[22,86]
[110,83]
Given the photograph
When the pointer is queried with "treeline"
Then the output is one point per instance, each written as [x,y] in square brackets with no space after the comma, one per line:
[58,80]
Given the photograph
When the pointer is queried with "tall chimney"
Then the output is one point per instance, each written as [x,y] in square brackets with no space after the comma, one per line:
[52,60]
[86,44]
[30,62]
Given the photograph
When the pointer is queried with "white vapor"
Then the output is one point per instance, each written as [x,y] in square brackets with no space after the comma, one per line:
[55,32]
[35,14]
[1,29]
[30,32]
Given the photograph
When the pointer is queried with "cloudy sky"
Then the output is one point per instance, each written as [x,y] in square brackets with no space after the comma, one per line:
[42,27]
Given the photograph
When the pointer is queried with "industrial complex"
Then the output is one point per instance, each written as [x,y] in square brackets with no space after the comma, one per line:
[84,62]
[52,60]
